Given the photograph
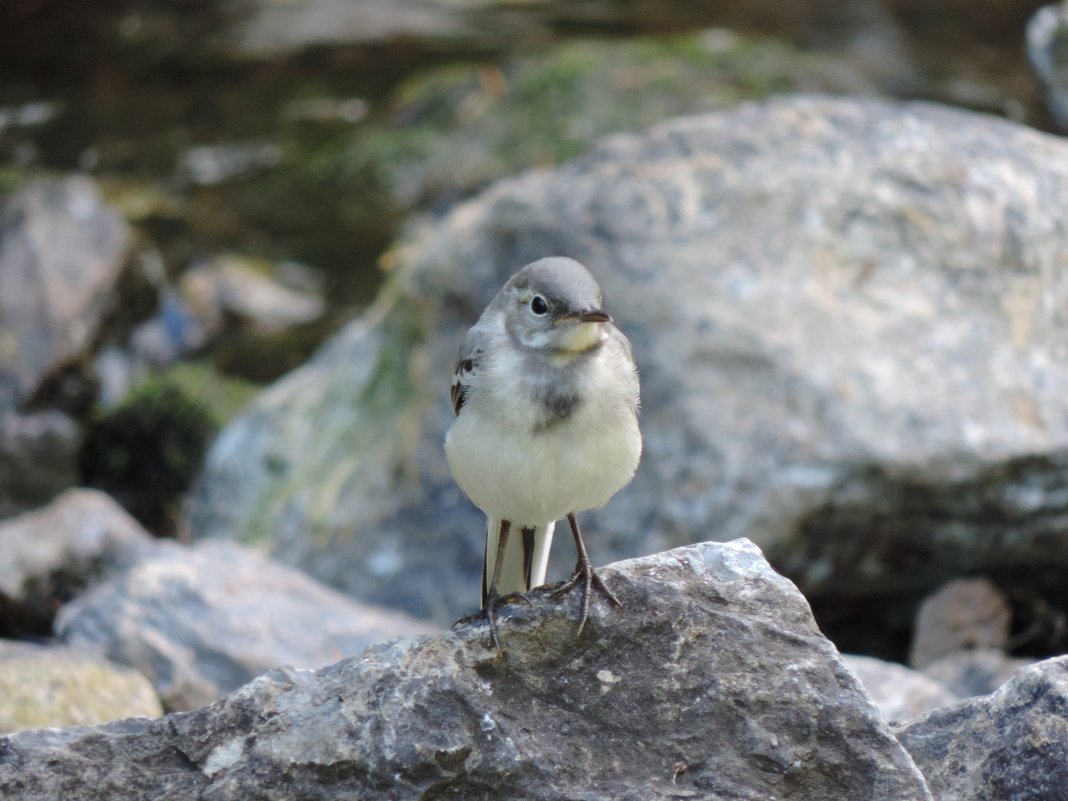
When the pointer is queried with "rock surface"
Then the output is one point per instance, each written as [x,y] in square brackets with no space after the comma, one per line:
[976,672]
[714,683]
[846,317]
[49,686]
[1008,746]
[62,248]
[38,458]
[202,621]
[962,615]
[899,692]
[53,554]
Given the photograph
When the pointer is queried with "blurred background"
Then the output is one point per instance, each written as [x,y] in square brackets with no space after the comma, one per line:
[198,194]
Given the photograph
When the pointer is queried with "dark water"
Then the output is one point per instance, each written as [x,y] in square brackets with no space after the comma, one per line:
[218,152]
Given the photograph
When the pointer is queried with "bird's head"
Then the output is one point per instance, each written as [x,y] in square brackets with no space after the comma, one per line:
[554,305]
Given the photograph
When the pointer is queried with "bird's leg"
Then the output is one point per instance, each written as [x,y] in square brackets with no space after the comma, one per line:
[489,603]
[584,573]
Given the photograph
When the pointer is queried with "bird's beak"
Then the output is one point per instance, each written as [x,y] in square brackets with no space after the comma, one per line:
[585,316]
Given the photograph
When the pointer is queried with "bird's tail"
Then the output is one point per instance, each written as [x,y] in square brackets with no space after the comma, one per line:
[526,557]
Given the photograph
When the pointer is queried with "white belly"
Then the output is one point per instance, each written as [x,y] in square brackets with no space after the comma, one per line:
[512,472]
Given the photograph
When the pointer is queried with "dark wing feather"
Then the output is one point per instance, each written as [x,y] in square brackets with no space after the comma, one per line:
[458,390]
[468,361]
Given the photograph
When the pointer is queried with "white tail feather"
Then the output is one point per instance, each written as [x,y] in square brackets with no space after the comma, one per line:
[513,576]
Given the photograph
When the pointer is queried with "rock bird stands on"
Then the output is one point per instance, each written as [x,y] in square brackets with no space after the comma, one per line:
[546,399]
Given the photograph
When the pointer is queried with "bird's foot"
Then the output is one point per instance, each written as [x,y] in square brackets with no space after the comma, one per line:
[586,578]
[489,614]
[489,611]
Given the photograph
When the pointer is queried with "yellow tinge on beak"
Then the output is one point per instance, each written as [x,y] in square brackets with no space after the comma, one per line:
[584,329]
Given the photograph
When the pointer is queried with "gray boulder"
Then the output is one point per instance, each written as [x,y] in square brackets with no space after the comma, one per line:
[1009,746]
[53,554]
[200,622]
[846,315]
[900,692]
[978,671]
[245,289]
[38,458]
[62,248]
[964,614]
[713,683]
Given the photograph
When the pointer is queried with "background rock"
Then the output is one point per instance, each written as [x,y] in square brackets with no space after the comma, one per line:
[962,615]
[62,249]
[273,30]
[950,50]
[38,458]
[203,621]
[50,686]
[975,672]
[449,132]
[899,692]
[244,289]
[53,554]
[845,315]
[1009,746]
[1047,47]
[713,683]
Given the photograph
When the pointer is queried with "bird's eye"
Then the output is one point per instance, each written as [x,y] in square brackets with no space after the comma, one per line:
[538,305]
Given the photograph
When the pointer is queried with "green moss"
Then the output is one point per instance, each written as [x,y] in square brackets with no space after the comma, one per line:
[255,357]
[453,129]
[11,178]
[147,451]
[221,396]
[392,384]
[56,690]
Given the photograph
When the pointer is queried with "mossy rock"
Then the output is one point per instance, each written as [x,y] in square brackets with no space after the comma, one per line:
[222,396]
[451,130]
[147,451]
[60,687]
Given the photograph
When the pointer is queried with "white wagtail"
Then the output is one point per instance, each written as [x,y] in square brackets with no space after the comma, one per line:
[546,399]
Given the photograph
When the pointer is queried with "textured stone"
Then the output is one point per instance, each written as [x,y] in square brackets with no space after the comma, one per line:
[50,686]
[848,316]
[62,248]
[962,615]
[52,554]
[713,683]
[202,621]
[899,692]
[1008,746]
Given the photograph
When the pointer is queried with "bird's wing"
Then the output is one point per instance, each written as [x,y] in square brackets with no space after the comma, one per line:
[468,365]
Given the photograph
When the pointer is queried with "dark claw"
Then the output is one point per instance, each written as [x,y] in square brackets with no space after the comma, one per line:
[490,611]
[585,573]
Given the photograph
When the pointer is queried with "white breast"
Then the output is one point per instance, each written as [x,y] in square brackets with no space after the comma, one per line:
[515,471]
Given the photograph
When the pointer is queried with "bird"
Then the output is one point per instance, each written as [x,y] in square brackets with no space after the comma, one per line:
[546,399]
